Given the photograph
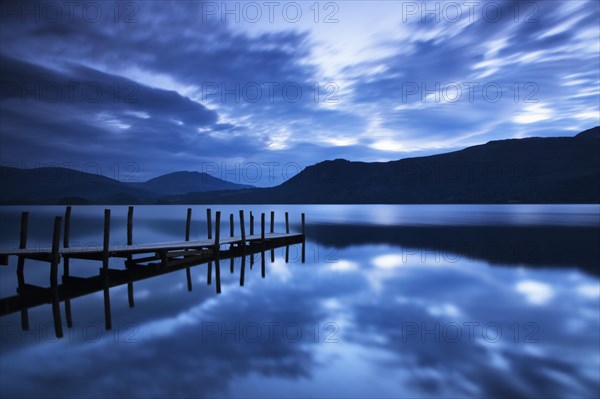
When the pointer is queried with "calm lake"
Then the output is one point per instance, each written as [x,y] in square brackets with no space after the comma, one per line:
[404,301]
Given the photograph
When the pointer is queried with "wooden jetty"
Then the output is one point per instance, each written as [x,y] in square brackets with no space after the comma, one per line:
[141,261]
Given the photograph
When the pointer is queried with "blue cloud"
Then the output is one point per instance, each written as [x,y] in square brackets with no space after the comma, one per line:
[212,91]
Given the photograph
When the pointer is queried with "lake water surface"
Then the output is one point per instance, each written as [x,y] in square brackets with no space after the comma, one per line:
[402,301]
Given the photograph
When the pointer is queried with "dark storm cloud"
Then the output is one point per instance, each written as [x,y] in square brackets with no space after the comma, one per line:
[82,112]
[134,117]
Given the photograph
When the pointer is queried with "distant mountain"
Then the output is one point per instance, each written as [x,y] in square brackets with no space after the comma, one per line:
[68,186]
[184,182]
[530,170]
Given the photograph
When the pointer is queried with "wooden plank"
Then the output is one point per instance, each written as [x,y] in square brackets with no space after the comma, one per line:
[94,253]
[33,290]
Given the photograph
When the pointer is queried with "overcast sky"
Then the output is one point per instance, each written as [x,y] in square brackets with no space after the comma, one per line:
[255,91]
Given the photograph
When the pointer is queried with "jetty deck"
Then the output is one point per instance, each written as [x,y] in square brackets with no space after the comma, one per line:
[125,251]
[141,261]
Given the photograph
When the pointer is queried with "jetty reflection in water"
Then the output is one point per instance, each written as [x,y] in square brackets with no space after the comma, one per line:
[141,261]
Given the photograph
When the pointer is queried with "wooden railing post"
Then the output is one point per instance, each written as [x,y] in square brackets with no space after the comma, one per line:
[209,232]
[130,297]
[231,233]
[217,251]
[130,226]
[209,223]
[303,239]
[242,228]
[105,274]
[21,268]
[188,225]
[66,260]
[287,223]
[54,277]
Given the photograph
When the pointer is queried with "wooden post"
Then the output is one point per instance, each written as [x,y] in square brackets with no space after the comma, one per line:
[242,228]
[217,230]
[231,232]
[303,239]
[303,250]
[105,259]
[209,273]
[287,223]
[217,251]
[66,239]
[130,294]
[218,274]
[188,224]
[130,226]
[262,237]
[66,263]
[106,241]
[209,223]
[54,278]
[251,224]
[262,263]
[243,269]
[243,233]
[130,297]
[272,231]
[21,269]
[188,275]
[209,230]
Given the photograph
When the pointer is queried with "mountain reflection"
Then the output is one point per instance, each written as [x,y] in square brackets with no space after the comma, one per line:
[567,246]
